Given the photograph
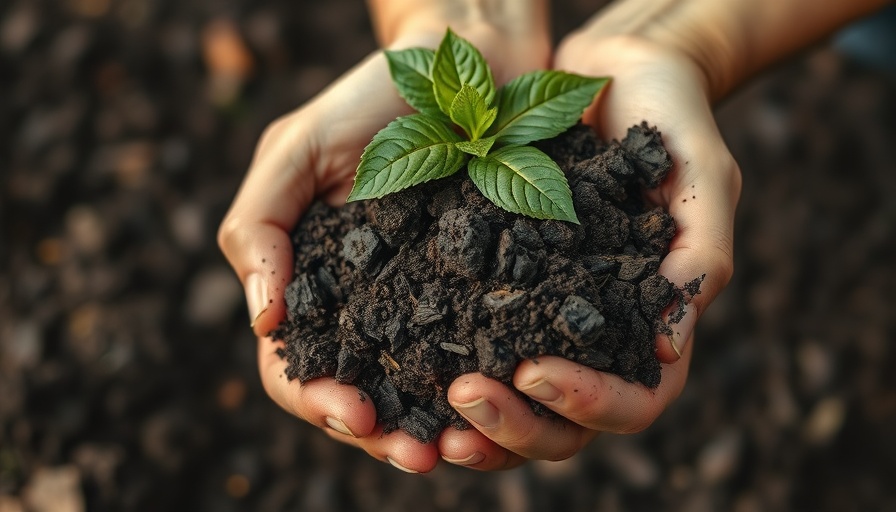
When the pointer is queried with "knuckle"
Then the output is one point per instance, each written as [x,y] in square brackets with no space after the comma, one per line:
[521,437]
[570,45]
[724,260]
[719,263]
[726,270]
[737,185]
[573,47]
[230,232]
[736,179]
[280,128]
[510,460]
[639,424]
[276,128]
[564,452]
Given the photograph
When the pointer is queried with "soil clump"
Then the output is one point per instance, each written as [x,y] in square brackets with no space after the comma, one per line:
[399,296]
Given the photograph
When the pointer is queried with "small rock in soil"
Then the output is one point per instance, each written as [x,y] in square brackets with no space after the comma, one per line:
[348,365]
[455,348]
[364,249]
[463,243]
[388,403]
[527,235]
[579,321]
[503,301]
[301,297]
[397,217]
[429,307]
[652,231]
[525,267]
[396,332]
[421,425]
[596,172]
[633,268]
[563,236]
[497,358]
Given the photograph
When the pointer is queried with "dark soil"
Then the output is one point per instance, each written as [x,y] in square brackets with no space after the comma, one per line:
[128,372]
[402,295]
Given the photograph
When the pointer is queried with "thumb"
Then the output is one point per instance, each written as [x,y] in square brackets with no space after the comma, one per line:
[310,152]
[254,235]
[701,195]
[700,192]
[261,254]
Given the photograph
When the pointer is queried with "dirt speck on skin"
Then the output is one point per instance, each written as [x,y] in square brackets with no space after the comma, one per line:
[402,295]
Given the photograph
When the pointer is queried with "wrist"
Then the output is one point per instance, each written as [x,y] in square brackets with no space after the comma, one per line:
[398,23]
[727,41]
[513,35]
[695,34]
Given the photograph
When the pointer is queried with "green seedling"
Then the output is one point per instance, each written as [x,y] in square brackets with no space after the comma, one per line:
[463,120]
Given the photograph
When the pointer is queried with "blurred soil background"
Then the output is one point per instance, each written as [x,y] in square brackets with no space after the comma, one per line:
[127,368]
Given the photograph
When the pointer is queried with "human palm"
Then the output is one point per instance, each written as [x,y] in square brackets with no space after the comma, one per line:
[649,82]
[311,154]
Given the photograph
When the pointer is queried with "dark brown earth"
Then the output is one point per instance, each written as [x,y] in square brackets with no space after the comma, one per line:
[402,295]
[128,376]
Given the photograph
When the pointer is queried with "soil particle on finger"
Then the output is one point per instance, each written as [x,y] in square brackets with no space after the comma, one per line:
[399,296]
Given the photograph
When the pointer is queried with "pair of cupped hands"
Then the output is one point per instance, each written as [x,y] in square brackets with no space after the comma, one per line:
[313,153]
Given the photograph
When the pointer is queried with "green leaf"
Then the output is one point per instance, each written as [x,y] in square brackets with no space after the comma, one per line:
[457,62]
[522,179]
[410,150]
[411,70]
[479,147]
[470,112]
[542,104]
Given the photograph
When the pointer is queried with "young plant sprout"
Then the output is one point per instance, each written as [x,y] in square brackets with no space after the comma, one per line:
[452,87]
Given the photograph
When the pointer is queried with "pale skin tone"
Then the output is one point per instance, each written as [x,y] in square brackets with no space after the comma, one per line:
[669,60]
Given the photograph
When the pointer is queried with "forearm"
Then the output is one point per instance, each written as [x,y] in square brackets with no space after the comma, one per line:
[733,39]
[397,19]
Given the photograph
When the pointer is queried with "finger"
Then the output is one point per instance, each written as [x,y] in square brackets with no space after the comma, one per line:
[500,415]
[344,412]
[470,448]
[702,189]
[400,450]
[701,194]
[596,400]
[322,402]
[396,448]
[254,233]
[703,248]
[309,153]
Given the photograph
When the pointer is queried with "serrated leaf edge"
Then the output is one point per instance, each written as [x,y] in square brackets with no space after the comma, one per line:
[448,168]
[446,50]
[497,156]
[554,129]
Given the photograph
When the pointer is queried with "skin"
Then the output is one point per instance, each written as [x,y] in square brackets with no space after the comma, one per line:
[669,60]
[313,152]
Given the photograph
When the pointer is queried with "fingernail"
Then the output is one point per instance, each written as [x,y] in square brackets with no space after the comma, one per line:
[256,297]
[399,466]
[481,412]
[682,330]
[541,390]
[339,426]
[473,459]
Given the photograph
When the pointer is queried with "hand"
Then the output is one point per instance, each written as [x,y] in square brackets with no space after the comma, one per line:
[651,82]
[312,153]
